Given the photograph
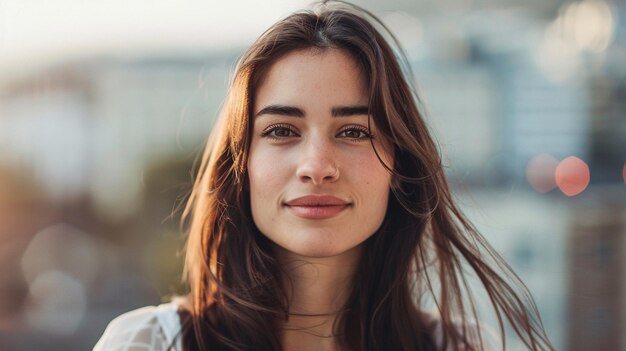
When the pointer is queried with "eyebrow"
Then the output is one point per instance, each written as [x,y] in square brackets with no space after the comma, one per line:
[292,111]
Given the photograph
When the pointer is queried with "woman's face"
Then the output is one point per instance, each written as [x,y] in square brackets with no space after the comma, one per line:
[317,188]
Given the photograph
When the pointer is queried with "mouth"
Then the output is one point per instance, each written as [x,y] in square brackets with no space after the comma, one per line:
[317,212]
[317,206]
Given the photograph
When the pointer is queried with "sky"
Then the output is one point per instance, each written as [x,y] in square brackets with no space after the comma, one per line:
[35,33]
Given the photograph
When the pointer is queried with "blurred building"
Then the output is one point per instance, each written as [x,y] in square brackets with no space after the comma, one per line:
[597,265]
[80,143]
[531,232]
[608,144]
[94,127]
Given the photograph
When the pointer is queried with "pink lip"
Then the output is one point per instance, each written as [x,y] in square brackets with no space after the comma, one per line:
[317,206]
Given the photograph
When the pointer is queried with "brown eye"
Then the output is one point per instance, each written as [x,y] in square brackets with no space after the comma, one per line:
[356,133]
[351,133]
[279,131]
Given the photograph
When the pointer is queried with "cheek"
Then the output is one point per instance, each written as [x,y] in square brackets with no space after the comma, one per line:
[257,174]
[266,175]
[369,171]
[371,184]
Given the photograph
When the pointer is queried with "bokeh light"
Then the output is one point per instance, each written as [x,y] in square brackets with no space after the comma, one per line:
[590,24]
[557,57]
[59,265]
[586,26]
[572,176]
[64,248]
[540,172]
[57,303]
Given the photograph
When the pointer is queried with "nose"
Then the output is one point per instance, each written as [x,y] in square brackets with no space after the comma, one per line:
[318,164]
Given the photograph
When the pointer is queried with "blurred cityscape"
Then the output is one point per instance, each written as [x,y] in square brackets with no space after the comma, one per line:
[527,102]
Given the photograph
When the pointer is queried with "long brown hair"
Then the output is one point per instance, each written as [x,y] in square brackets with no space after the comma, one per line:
[422,248]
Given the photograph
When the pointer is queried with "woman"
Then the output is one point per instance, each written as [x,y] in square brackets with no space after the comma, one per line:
[321,218]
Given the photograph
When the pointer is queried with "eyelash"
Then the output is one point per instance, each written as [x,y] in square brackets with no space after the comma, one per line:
[367,134]
[274,127]
[268,132]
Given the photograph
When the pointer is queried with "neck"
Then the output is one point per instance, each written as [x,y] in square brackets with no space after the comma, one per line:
[318,289]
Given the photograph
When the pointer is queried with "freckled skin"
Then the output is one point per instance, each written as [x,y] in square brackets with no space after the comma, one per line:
[316,156]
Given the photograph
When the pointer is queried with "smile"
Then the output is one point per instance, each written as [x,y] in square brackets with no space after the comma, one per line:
[317,212]
[317,206]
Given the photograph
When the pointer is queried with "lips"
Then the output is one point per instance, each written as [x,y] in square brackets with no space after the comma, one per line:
[317,206]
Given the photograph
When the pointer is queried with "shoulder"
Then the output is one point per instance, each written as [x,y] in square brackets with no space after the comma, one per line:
[475,331]
[148,328]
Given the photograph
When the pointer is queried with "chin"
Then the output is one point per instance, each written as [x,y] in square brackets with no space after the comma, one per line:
[317,252]
[315,249]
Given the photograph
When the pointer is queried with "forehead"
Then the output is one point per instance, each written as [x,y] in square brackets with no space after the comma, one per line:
[328,75]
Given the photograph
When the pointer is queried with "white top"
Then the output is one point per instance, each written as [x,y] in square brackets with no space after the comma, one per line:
[151,328]
[156,328]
